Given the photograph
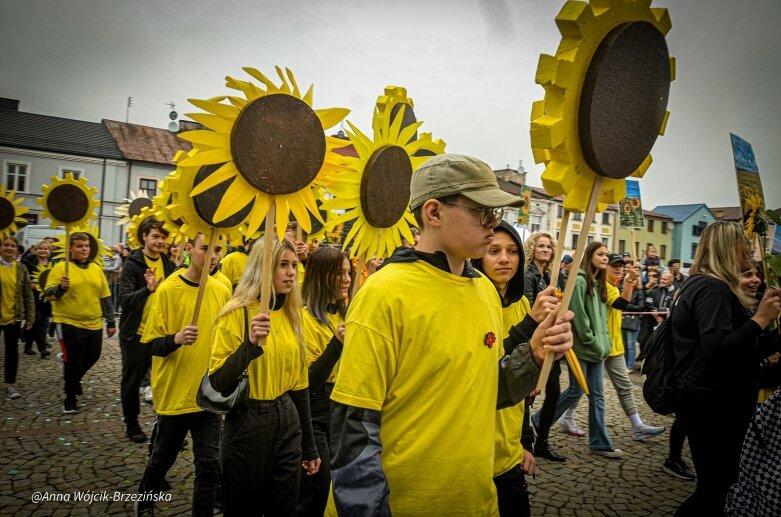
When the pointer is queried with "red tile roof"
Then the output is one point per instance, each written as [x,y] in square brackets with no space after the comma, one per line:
[144,143]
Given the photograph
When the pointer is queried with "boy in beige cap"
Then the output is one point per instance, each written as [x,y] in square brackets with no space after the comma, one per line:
[423,369]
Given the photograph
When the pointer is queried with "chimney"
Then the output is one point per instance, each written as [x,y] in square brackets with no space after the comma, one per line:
[9,104]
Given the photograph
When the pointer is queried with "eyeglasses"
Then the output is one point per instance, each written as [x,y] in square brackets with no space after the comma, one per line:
[488,215]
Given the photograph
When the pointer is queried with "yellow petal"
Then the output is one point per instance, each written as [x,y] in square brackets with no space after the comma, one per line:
[299,212]
[213,122]
[260,77]
[282,217]
[407,133]
[331,116]
[224,173]
[308,96]
[207,138]
[258,213]
[296,91]
[393,133]
[216,108]
[208,158]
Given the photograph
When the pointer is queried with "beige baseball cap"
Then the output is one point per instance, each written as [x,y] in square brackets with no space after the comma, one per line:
[450,174]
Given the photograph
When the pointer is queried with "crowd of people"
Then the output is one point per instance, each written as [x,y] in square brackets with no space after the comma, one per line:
[376,401]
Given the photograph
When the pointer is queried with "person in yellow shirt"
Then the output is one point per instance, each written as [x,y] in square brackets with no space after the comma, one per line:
[267,441]
[16,304]
[180,357]
[423,368]
[79,301]
[325,290]
[233,264]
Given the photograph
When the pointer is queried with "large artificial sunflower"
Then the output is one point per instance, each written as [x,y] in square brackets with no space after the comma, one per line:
[132,206]
[268,145]
[605,98]
[375,193]
[97,248]
[10,212]
[163,214]
[68,202]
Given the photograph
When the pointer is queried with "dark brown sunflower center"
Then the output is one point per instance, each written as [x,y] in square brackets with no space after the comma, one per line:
[7,213]
[137,205]
[385,186]
[67,203]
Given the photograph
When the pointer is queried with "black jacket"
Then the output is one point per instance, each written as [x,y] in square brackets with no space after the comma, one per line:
[535,282]
[133,293]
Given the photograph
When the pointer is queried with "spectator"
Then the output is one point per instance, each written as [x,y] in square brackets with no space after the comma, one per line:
[675,270]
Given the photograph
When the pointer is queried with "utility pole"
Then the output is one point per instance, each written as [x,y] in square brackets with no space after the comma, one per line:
[127,110]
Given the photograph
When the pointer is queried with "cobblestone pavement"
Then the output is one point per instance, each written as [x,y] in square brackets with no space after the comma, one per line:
[43,451]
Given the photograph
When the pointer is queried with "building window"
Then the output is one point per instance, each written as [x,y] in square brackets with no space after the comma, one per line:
[560,211]
[16,176]
[604,240]
[577,216]
[574,240]
[605,218]
[76,172]
[535,221]
[149,186]
[651,225]
[694,249]
[589,239]
[665,228]
[621,246]
[698,228]
[663,252]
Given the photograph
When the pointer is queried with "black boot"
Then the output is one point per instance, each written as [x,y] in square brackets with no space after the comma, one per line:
[542,449]
[134,432]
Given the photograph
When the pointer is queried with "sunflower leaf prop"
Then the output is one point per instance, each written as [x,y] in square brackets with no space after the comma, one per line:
[267,146]
[11,211]
[375,191]
[606,93]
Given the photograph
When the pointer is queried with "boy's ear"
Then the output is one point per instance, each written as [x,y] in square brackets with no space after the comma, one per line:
[432,211]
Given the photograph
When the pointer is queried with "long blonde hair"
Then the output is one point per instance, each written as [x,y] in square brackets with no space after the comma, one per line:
[531,243]
[724,253]
[249,287]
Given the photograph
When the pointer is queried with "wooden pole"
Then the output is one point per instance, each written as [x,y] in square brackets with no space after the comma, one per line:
[635,251]
[569,288]
[554,274]
[204,276]
[268,264]
[67,248]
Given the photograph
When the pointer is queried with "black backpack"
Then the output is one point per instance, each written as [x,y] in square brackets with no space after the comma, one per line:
[659,364]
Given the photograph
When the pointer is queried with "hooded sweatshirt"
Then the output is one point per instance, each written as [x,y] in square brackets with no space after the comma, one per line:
[589,328]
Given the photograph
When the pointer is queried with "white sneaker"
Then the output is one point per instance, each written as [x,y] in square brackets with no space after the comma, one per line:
[571,428]
[644,431]
[148,394]
[612,454]
[12,392]
[61,361]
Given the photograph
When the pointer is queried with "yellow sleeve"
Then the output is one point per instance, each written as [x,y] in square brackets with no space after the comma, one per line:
[613,294]
[227,336]
[155,325]
[55,275]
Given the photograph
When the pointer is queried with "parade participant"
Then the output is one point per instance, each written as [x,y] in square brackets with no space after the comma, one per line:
[513,460]
[180,355]
[79,300]
[423,369]
[265,440]
[141,274]
[592,346]
[326,287]
[539,260]
[717,352]
[16,304]
[35,261]
[234,263]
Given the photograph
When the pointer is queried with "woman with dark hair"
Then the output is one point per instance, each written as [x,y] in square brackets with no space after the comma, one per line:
[718,348]
[592,346]
[325,290]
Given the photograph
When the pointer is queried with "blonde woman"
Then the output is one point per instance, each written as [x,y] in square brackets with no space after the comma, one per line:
[264,441]
[717,349]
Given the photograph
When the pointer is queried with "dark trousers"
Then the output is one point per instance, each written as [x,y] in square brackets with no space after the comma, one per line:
[548,409]
[81,350]
[136,359]
[261,458]
[715,445]
[677,437]
[37,334]
[11,340]
[513,493]
[315,489]
[204,427]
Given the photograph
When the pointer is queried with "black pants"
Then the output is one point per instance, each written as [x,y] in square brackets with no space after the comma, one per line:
[513,493]
[261,458]
[715,445]
[37,334]
[677,437]
[204,427]
[548,409]
[11,340]
[136,360]
[81,350]
[315,489]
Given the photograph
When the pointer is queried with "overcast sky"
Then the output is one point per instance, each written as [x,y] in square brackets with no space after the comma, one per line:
[469,66]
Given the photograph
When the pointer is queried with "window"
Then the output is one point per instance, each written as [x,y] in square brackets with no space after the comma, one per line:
[605,218]
[651,225]
[622,246]
[577,216]
[589,239]
[16,174]
[663,252]
[560,212]
[535,221]
[76,172]
[604,240]
[698,228]
[574,240]
[694,249]
[665,228]
[149,186]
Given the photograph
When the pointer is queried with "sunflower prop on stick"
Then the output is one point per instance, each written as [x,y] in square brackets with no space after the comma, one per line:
[375,192]
[606,93]
[10,213]
[70,203]
[267,150]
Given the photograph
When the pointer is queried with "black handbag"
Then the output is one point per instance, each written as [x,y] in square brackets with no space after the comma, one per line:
[212,400]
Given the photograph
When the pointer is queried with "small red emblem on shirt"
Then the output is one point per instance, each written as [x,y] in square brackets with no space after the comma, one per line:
[490,339]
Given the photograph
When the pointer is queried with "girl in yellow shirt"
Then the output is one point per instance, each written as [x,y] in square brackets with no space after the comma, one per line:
[264,440]
[16,303]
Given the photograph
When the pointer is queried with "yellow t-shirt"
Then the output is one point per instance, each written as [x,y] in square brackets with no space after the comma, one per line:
[8,293]
[300,272]
[317,336]
[509,421]
[233,266]
[280,369]
[415,349]
[177,376]
[157,268]
[80,305]
[614,321]
[224,280]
